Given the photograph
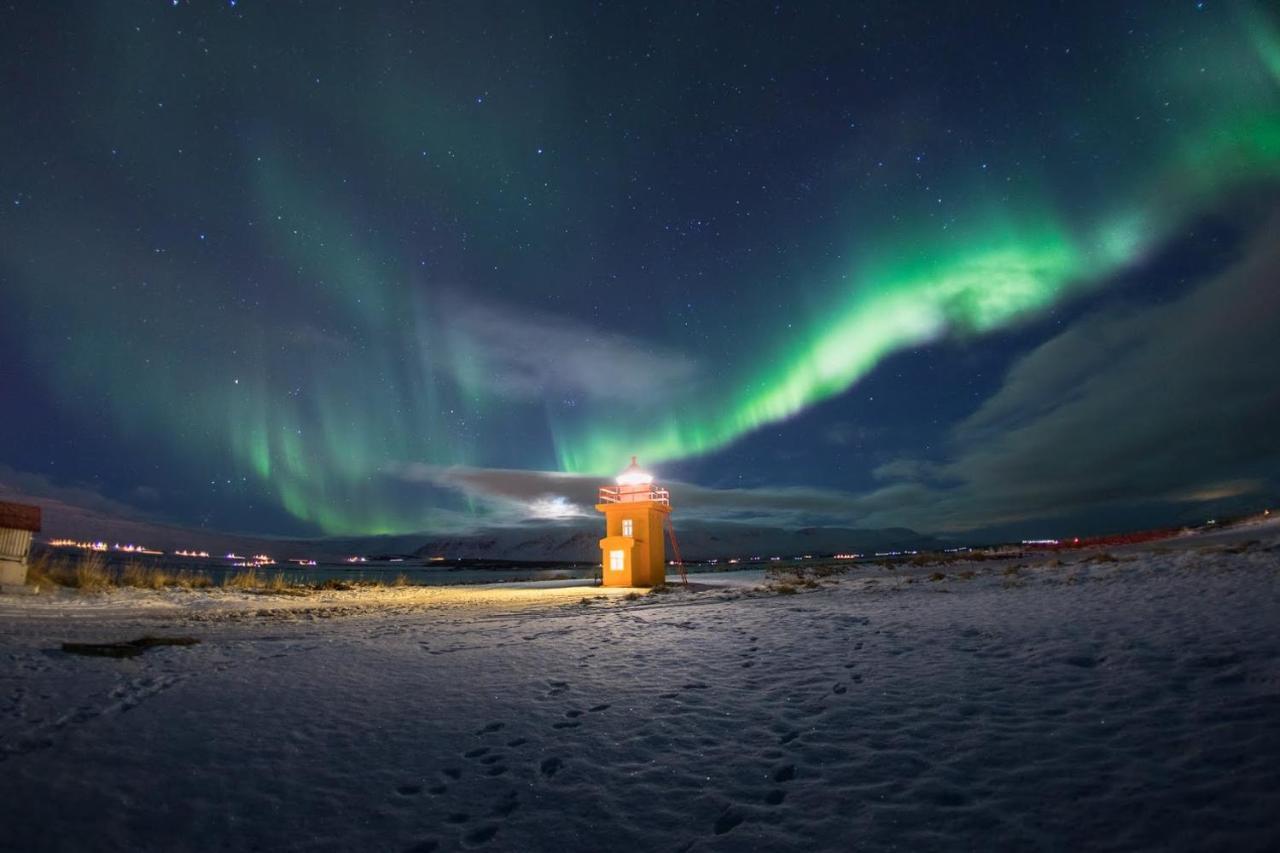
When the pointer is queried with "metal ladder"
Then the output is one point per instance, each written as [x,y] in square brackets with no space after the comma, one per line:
[675,551]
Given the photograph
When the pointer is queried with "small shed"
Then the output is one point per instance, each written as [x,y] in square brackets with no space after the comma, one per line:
[17,524]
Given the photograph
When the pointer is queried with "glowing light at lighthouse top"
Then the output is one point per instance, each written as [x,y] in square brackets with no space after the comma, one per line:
[634,486]
[633,476]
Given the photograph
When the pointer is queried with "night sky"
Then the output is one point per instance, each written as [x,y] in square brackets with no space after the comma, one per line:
[314,269]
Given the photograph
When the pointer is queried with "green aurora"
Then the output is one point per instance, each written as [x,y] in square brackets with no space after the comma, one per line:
[911,290]
[304,378]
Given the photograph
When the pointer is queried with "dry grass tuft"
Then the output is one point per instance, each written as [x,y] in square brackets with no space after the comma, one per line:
[247,579]
[90,574]
[336,584]
[188,579]
[133,574]
[401,580]
[41,570]
[275,582]
[265,583]
[937,576]
[141,575]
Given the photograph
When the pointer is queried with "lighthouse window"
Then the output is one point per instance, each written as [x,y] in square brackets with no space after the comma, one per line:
[617,562]
[628,528]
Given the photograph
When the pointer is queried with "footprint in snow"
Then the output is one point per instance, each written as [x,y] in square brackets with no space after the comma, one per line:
[788,737]
[839,688]
[408,790]
[428,846]
[573,712]
[492,727]
[520,741]
[728,819]
[598,708]
[566,724]
[508,804]
[551,766]
[481,835]
[452,772]
[475,753]
[775,797]
[785,774]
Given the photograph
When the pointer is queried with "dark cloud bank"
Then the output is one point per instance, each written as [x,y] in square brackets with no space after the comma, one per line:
[1152,413]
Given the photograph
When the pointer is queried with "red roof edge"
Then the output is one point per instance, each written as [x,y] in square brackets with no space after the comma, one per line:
[19,517]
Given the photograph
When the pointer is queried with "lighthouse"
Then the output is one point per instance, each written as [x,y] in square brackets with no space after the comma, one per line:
[635,513]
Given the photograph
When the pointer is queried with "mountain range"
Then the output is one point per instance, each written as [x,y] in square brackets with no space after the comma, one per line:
[572,540]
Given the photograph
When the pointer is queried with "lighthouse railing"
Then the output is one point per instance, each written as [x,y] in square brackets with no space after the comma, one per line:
[632,494]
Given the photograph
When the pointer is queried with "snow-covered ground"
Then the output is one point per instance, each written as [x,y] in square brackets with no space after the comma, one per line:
[1130,704]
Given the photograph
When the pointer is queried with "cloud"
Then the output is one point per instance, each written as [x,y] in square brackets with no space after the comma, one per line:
[19,485]
[1173,403]
[529,354]
[513,496]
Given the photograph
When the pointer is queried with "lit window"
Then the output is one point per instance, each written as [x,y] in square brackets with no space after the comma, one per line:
[628,528]
[617,561]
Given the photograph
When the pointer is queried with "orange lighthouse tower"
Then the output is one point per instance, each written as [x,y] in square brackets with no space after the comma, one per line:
[635,511]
